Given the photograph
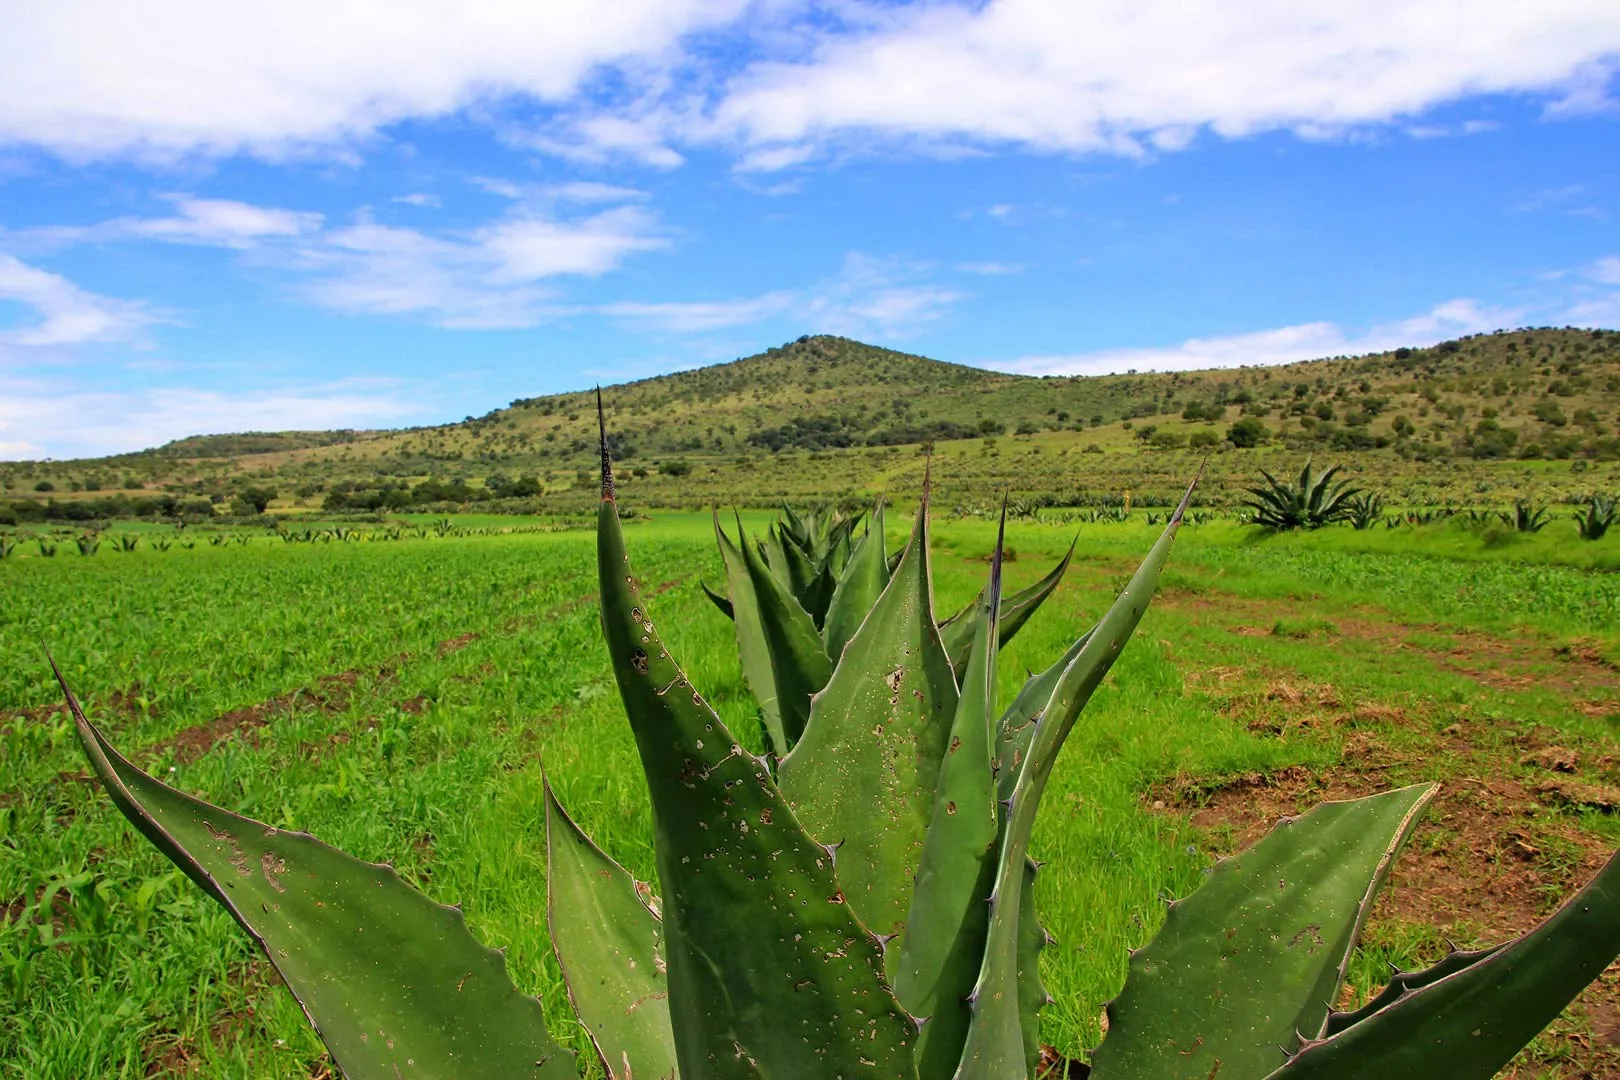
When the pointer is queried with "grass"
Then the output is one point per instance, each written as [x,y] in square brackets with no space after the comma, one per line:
[397,699]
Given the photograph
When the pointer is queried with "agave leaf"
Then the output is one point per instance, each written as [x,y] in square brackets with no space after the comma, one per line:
[718,600]
[957,631]
[865,575]
[1469,1023]
[818,595]
[1016,729]
[862,779]
[1403,983]
[798,663]
[1017,725]
[775,556]
[393,982]
[752,649]
[610,945]
[790,562]
[767,968]
[1259,952]
[995,1046]
[1032,996]
[795,525]
[943,942]
[838,551]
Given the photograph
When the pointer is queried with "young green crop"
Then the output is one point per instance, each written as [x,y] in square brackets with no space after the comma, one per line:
[789,938]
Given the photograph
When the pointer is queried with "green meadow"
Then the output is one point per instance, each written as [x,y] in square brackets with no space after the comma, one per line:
[399,698]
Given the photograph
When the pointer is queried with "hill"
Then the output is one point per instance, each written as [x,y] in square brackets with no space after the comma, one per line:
[1538,403]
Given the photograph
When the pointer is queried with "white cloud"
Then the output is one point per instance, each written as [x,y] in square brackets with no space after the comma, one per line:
[65,314]
[225,223]
[200,222]
[1595,294]
[591,191]
[93,78]
[419,198]
[486,279]
[1124,76]
[868,297]
[602,137]
[1283,345]
[686,317]
[573,191]
[39,419]
[483,278]
[990,269]
[1606,271]
[20,451]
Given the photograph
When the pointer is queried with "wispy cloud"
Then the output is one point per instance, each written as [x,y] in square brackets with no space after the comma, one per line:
[874,296]
[573,191]
[225,223]
[65,314]
[487,277]
[1594,294]
[1606,271]
[1282,345]
[687,317]
[40,418]
[990,269]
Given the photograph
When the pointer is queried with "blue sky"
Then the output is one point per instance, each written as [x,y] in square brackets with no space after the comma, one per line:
[355,213]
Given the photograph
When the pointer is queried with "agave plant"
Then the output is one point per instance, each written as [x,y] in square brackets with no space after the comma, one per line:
[800,593]
[1308,503]
[1594,519]
[1365,510]
[1526,517]
[88,543]
[8,544]
[869,911]
[125,542]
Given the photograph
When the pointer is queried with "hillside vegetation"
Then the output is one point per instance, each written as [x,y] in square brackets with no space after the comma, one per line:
[1479,420]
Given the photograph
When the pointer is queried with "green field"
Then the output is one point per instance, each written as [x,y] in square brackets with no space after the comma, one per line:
[396,698]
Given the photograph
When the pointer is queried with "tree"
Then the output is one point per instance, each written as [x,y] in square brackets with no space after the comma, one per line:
[256,498]
[1247,433]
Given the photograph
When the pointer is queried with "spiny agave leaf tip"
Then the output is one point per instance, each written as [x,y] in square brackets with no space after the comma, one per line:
[995,562]
[607,456]
[1181,507]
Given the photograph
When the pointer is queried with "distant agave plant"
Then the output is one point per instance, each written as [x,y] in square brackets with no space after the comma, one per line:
[1365,510]
[809,923]
[1308,503]
[1593,519]
[1525,517]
